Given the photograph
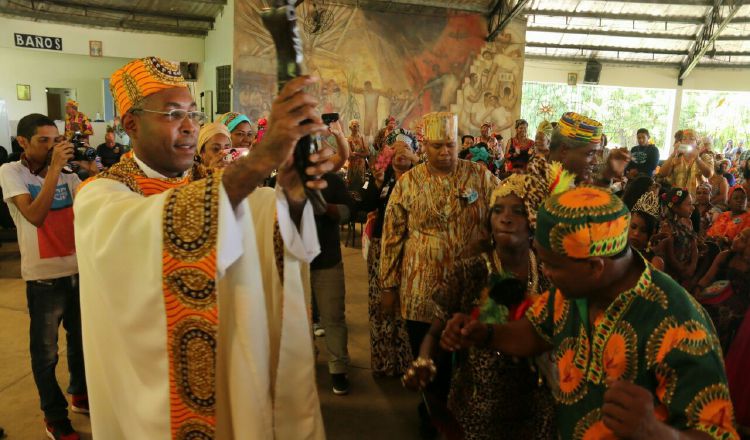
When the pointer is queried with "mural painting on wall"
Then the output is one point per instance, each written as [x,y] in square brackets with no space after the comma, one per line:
[376,64]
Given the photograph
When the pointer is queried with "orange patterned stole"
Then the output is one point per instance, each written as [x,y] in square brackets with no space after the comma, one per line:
[190,230]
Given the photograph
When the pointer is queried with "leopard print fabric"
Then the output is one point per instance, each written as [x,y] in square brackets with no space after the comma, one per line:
[389,341]
[492,396]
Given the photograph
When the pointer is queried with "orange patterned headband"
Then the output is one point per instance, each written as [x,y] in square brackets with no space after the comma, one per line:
[143,77]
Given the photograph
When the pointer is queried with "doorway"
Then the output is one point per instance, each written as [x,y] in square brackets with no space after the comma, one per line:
[56,99]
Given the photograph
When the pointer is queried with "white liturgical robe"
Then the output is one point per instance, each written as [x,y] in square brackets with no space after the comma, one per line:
[264,366]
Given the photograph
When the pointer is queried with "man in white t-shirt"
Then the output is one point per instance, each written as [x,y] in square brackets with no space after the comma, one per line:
[40,199]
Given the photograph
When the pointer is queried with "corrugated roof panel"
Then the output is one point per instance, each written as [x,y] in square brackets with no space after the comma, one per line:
[673,29]
[615,7]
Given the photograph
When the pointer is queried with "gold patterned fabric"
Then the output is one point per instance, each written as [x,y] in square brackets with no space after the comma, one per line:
[655,336]
[190,231]
[686,174]
[140,78]
[430,222]
[440,127]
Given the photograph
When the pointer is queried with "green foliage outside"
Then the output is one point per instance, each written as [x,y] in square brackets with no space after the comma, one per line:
[719,115]
[622,110]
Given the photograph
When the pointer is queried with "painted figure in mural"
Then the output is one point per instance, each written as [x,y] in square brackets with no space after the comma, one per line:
[330,97]
[503,72]
[478,110]
[443,86]
[372,97]
[485,68]
[452,82]
[401,103]
[490,110]
[508,96]
[470,97]
[498,114]
[435,86]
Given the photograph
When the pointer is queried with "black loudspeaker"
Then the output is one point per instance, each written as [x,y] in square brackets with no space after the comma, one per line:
[593,69]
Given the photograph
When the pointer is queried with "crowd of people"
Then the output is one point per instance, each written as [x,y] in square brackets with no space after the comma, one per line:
[542,286]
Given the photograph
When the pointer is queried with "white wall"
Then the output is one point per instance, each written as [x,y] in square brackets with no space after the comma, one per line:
[634,76]
[219,48]
[73,67]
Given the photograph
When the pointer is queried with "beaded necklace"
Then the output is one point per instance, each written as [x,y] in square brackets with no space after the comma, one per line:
[533,276]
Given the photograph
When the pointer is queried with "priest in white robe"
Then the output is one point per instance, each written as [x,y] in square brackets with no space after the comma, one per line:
[193,311]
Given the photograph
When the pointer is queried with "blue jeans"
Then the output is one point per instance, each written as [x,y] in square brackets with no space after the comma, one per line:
[51,302]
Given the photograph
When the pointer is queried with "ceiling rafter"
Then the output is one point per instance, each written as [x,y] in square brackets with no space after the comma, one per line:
[105,22]
[611,32]
[655,51]
[583,60]
[422,7]
[669,2]
[594,47]
[503,20]
[613,16]
[713,27]
[623,33]
[126,11]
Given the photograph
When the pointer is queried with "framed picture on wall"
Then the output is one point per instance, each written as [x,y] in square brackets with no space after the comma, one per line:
[572,78]
[95,48]
[23,92]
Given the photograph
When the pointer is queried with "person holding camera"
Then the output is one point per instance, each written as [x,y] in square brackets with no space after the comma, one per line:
[214,142]
[688,167]
[39,194]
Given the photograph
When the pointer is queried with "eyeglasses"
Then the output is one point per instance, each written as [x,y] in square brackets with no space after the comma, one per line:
[177,115]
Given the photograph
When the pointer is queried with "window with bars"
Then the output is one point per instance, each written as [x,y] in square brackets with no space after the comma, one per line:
[223,90]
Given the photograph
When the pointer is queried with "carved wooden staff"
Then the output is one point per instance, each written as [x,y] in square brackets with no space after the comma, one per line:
[281,22]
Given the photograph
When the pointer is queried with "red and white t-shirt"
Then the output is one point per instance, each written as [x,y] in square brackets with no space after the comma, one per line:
[48,251]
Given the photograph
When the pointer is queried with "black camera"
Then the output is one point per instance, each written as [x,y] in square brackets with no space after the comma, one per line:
[329,118]
[81,151]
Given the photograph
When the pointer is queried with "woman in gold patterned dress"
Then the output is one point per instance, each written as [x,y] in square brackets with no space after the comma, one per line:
[390,354]
[436,213]
[359,152]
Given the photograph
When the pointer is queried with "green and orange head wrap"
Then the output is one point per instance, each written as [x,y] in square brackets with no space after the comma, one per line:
[583,222]
[580,128]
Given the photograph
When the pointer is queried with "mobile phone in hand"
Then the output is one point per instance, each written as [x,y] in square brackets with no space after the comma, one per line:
[329,118]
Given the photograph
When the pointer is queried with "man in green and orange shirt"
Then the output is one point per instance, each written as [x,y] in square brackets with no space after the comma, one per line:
[635,355]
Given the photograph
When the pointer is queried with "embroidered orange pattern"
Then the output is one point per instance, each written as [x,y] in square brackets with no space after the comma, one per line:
[190,223]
